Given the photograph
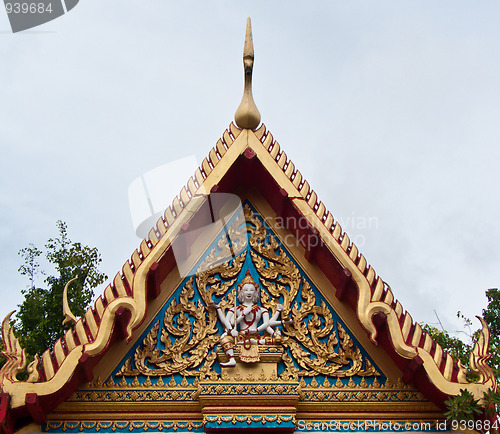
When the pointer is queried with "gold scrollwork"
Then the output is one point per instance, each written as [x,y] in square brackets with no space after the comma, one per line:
[189,331]
[188,327]
[248,389]
[282,279]
[245,418]
[122,425]
[318,344]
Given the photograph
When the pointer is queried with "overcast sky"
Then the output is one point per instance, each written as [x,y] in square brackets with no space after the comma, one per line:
[389,109]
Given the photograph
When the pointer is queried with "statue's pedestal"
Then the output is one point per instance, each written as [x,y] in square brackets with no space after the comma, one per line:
[250,395]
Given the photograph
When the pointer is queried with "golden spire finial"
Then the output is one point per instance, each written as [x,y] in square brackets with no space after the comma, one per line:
[247,116]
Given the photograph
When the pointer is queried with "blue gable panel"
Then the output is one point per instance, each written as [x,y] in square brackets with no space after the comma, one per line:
[175,327]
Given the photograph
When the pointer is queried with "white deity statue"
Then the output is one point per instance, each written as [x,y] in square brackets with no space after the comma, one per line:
[248,317]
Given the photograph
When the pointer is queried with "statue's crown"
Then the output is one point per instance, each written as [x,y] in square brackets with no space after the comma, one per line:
[248,279]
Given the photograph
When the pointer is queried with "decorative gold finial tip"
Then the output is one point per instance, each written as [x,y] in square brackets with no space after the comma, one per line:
[248,49]
[247,116]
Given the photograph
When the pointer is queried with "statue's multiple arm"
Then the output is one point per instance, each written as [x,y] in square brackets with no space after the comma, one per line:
[226,321]
[267,323]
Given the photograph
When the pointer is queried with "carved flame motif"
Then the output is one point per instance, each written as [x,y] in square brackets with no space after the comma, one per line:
[479,356]
[190,330]
[311,324]
[317,344]
[15,355]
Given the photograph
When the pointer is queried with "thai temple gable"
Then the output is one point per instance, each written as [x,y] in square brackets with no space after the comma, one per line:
[159,350]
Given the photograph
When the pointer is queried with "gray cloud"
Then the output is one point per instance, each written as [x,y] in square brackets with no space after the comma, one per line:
[389,110]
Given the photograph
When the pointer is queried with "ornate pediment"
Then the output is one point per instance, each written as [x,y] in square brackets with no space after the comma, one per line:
[255,334]
[309,356]
[312,341]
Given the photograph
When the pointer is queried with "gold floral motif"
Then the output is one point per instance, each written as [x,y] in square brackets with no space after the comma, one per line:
[317,344]
[363,384]
[179,335]
[235,418]
[390,391]
[274,377]
[282,280]
[249,389]
[224,251]
[291,372]
[133,395]
[368,395]
[96,382]
[122,425]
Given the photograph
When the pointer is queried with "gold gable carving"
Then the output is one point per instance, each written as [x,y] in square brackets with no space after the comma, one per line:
[195,332]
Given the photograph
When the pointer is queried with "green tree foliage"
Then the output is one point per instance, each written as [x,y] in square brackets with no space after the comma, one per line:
[461,350]
[455,346]
[2,358]
[462,407]
[39,318]
[492,317]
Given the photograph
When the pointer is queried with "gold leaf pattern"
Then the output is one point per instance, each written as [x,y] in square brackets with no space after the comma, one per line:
[121,426]
[184,341]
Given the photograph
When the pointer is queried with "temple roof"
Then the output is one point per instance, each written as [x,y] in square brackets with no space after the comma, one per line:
[244,158]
